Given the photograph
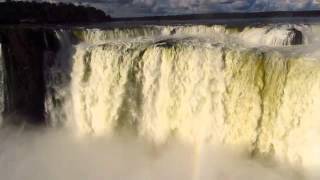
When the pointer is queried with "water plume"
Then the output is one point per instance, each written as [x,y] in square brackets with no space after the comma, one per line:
[59,155]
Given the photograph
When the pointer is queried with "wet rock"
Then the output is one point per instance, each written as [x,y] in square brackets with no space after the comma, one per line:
[24,51]
[295,37]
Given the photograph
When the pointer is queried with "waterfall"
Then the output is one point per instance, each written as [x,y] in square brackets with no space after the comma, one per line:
[57,80]
[159,83]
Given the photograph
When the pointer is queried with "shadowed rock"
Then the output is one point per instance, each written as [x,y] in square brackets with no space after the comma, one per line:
[295,37]
[23,52]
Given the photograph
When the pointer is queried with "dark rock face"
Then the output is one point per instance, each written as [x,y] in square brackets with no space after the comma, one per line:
[295,37]
[23,52]
[26,51]
[34,12]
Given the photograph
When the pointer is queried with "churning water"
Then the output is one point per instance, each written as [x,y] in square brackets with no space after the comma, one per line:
[193,102]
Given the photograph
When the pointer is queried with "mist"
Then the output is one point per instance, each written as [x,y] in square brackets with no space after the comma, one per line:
[58,155]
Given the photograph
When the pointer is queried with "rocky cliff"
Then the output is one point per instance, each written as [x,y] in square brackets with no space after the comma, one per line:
[24,51]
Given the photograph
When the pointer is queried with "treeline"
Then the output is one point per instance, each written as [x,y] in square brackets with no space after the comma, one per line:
[35,12]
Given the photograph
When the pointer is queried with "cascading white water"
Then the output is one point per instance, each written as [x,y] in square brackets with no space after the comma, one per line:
[57,80]
[198,93]
[199,84]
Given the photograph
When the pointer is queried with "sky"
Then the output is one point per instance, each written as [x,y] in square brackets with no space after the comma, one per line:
[125,8]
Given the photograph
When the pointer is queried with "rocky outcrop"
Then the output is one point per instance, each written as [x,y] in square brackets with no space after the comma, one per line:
[34,12]
[273,36]
[23,52]
[295,37]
